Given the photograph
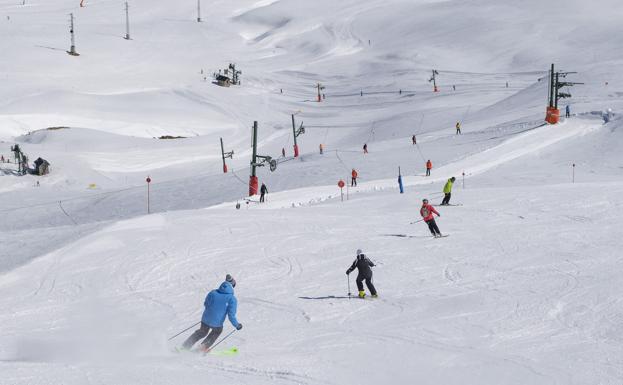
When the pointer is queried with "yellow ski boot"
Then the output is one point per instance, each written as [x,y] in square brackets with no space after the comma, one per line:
[362,294]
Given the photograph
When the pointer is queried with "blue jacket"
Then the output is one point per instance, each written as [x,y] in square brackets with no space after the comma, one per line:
[218,303]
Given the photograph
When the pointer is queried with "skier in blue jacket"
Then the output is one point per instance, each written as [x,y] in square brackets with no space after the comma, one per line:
[218,304]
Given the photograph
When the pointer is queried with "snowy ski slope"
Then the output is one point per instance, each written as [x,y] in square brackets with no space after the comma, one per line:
[525,290]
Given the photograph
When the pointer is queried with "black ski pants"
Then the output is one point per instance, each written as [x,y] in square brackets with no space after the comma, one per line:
[446,199]
[262,197]
[212,334]
[432,226]
[369,284]
[353,182]
[428,172]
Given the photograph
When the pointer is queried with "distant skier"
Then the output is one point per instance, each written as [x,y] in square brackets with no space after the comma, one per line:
[414,140]
[365,148]
[283,152]
[363,264]
[218,304]
[458,128]
[353,181]
[321,148]
[447,190]
[427,212]
[263,191]
[567,111]
[429,166]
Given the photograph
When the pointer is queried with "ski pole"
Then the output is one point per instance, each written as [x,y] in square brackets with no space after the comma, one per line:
[416,221]
[348,278]
[188,328]
[223,339]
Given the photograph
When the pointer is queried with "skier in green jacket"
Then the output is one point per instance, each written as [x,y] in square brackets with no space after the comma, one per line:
[447,190]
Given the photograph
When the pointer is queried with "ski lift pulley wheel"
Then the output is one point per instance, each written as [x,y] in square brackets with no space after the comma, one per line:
[273,165]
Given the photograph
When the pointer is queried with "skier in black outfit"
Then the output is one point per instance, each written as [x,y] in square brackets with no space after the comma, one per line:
[263,191]
[363,264]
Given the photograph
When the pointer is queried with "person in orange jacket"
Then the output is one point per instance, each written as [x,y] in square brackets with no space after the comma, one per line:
[429,166]
[353,181]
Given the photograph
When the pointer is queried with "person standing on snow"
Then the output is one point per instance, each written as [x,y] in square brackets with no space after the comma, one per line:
[365,148]
[447,190]
[263,191]
[363,264]
[414,140]
[567,111]
[321,148]
[218,304]
[458,128]
[427,212]
[353,181]
[429,166]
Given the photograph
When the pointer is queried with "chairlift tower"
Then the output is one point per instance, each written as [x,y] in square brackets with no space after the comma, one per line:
[229,154]
[320,87]
[296,133]
[127,21]
[235,74]
[264,159]
[555,84]
[433,79]
[72,49]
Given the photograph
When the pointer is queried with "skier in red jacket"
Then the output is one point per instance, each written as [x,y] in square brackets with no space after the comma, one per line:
[427,212]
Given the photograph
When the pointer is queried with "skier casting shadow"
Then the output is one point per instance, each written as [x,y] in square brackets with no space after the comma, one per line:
[363,264]
[427,212]
[218,304]
[447,191]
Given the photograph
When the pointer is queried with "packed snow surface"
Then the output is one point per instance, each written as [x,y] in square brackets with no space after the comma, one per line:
[524,290]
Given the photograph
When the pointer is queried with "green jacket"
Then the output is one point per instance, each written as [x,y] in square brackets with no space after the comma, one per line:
[448,187]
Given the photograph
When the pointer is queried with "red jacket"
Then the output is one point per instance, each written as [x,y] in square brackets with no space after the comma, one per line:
[427,212]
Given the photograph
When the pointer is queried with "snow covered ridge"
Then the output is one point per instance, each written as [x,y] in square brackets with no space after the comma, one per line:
[533,140]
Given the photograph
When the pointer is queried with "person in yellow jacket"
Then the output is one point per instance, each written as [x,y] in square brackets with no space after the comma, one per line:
[458,128]
[447,190]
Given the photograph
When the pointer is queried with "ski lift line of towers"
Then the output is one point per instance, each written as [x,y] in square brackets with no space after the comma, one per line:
[433,79]
[126,5]
[72,32]
[261,160]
